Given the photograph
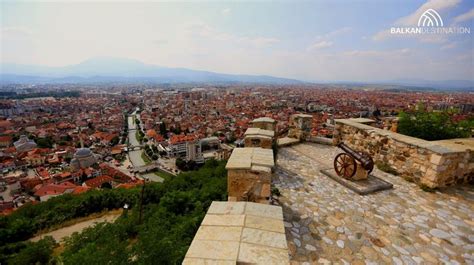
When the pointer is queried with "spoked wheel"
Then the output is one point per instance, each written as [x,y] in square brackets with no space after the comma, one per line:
[345,165]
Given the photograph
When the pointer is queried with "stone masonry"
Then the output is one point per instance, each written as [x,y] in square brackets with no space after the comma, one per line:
[429,163]
[264,123]
[240,233]
[300,126]
[326,223]
[256,137]
[249,172]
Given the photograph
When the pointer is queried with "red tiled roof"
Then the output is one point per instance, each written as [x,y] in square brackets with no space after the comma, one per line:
[5,124]
[54,189]
[181,138]
[80,189]
[6,138]
[98,181]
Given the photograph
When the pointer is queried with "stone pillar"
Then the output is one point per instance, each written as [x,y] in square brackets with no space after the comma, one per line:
[300,126]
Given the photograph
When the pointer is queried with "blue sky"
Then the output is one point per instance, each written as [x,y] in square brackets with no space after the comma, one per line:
[311,40]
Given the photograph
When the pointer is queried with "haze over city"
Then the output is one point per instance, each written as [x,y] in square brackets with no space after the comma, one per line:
[237,132]
[309,41]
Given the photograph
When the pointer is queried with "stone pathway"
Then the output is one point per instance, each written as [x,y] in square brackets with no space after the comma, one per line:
[327,223]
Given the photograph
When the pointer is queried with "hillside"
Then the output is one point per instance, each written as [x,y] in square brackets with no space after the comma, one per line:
[173,211]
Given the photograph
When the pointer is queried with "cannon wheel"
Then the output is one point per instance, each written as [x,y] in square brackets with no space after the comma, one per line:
[345,165]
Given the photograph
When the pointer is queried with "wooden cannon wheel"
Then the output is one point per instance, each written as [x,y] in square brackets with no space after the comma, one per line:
[345,165]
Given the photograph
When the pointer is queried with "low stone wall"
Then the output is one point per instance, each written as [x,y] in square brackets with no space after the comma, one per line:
[320,140]
[431,163]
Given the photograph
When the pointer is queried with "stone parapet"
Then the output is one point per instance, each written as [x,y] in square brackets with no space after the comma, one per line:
[249,172]
[240,233]
[430,163]
[256,137]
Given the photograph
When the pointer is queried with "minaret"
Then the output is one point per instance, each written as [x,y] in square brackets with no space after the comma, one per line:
[82,143]
[80,137]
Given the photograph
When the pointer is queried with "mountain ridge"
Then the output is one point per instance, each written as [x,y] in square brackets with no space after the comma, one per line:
[109,68]
[124,70]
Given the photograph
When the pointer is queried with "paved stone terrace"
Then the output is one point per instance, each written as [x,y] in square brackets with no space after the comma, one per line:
[327,223]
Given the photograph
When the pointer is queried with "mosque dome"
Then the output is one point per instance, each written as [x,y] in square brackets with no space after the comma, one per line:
[83,158]
[83,152]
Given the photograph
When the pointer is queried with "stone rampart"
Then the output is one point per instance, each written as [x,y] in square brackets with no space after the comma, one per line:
[430,163]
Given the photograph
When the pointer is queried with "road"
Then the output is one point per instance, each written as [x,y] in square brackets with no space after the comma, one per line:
[135,156]
[61,233]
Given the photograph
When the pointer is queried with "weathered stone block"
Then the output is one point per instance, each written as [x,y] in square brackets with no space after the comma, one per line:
[436,159]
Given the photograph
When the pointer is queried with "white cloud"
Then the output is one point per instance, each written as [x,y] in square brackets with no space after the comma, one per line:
[334,33]
[15,33]
[378,53]
[382,35]
[226,11]
[438,5]
[259,42]
[412,21]
[449,46]
[320,45]
[325,40]
[464,17]
[204,31]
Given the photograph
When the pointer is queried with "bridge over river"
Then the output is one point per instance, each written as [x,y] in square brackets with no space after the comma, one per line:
[135,151]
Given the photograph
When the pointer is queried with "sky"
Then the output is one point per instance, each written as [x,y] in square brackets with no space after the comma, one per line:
[306,40]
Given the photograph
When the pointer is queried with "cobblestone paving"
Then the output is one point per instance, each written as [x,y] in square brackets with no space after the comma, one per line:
[327,223]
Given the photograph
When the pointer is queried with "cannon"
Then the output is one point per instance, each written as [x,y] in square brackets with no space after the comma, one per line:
[347,164]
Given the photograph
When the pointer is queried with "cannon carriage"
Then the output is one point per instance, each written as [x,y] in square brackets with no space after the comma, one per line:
[352,162]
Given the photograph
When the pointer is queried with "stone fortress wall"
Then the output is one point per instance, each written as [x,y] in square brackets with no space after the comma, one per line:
[429,163]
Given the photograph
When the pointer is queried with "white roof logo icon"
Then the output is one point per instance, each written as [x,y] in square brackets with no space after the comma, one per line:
[430,18]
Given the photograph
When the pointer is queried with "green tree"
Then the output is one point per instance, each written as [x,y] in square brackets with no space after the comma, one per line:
[433,125]
[46,142]
[103,244]
[180,163]
[34,252]
[163,130]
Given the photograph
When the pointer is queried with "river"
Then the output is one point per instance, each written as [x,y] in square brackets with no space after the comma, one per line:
[136,155]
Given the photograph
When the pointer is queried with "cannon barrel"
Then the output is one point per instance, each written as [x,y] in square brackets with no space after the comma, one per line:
[364,159]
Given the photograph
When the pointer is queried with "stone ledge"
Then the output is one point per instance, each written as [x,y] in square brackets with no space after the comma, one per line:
[287,141]
[241,233]
[439,147]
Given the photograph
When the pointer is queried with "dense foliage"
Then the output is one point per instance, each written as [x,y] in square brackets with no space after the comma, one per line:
[433,125]
[173,211]
[33,253]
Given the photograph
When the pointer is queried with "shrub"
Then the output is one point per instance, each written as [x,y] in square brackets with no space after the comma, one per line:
[433,125]
[276,191]
[426,188]
[385,167]
[34,252]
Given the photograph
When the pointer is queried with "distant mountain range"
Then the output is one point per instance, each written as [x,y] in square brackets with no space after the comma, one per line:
[106,69]
[120,70]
